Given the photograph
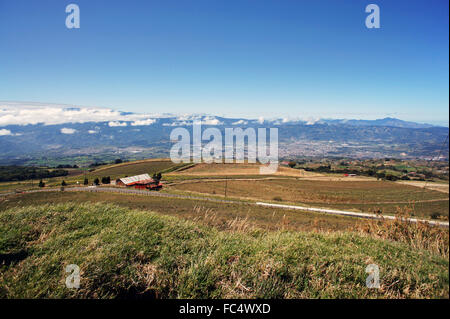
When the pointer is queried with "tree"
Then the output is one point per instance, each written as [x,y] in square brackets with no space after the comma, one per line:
[63,183]
[106,180]
[292,164]
[118,161]
[96,181]
[86,181]
[41,183]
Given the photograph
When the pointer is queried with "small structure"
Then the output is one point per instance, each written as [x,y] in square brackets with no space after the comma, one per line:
[143,181]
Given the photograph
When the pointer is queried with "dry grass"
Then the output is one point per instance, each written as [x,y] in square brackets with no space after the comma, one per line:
[222,169]
[359,195]
[417,235]
[125,253]
[133,168]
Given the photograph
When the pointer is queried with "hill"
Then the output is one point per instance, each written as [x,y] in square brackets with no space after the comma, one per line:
[126,253]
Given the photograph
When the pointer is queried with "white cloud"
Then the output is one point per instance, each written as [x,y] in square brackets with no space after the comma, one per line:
[261,120]
[182,123]
[312,121]
[66,130]
[115,124]
[4,132]
[92,132]
[208,120]
[143,122]
[18,113]
[240,122]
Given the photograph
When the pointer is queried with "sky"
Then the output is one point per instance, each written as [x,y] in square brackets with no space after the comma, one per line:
[280,58]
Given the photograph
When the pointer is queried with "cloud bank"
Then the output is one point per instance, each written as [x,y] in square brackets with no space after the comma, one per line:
[15,113]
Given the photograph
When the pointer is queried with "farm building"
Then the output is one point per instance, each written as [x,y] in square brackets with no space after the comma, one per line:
[143,181]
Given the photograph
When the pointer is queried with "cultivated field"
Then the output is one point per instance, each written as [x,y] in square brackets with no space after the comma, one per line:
[134,168]
[218,169]
[211,213]
[367,195]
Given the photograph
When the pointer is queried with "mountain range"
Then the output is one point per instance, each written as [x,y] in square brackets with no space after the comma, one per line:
[38,131]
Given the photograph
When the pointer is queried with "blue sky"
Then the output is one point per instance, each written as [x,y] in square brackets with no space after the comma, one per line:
[235,58]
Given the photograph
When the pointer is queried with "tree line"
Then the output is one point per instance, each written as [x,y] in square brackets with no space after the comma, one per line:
[21,173]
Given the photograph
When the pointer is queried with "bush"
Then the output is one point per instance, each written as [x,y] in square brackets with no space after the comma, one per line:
[278,199]
[292,164]
[418,235]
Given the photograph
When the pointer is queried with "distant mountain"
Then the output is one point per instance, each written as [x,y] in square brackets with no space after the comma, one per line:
[55,132]
[388,121]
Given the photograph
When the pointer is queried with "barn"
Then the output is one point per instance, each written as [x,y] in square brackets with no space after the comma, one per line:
[143,181]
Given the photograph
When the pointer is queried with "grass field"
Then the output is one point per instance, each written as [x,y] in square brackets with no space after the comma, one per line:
[366,195]
[218,169]
[134,168]
[214,214]
[125,253]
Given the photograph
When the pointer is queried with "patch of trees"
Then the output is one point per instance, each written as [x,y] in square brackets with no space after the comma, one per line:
[292,164]
[97,164]
[157,177]
[369,172]
[67,166]
[106,180]
[21,173]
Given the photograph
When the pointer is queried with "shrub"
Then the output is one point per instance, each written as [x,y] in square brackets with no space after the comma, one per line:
[418,235]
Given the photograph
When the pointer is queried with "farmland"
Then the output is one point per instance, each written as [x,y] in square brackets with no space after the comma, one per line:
[212,213]
[221,249]
[365,195]
[233,169]
[296,186]
[133,168]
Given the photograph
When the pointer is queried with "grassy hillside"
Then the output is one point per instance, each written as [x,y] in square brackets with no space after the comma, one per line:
[134,168]
[131,253]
